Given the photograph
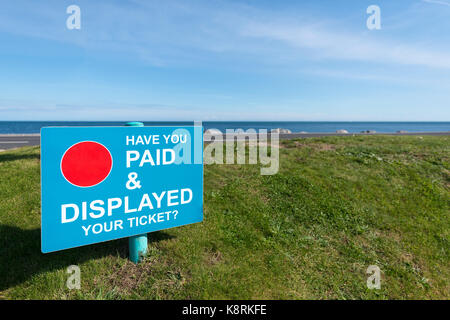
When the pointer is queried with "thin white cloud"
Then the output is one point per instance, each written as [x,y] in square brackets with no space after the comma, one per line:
[325,44]
[441,2]
[31,110]
[173,33]
[164,34]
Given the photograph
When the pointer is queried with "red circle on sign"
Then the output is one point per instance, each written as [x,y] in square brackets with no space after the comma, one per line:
[86,164]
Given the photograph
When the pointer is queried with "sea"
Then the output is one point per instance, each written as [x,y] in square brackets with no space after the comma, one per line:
[29,127]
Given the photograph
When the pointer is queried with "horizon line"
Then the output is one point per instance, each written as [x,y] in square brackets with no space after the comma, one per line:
[225,120]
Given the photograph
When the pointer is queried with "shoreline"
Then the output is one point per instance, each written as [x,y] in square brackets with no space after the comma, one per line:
[13,141]
[437,133]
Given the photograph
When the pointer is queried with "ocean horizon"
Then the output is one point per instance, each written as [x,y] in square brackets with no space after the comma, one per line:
[33,127]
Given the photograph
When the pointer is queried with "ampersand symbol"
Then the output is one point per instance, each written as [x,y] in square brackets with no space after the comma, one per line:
[132,183]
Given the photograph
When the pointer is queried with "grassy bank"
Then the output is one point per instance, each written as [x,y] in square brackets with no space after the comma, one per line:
[337,205]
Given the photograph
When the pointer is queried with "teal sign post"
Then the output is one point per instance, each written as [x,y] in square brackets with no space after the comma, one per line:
[137,245]
[105,183]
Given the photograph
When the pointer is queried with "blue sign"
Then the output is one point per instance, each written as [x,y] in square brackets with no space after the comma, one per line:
[105,183]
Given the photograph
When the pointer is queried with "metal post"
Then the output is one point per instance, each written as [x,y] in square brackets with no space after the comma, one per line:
[137,244]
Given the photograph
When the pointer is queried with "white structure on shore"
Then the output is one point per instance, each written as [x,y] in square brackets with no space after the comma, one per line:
[280,130]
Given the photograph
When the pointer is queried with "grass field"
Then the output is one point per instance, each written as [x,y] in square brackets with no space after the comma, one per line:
[337,205]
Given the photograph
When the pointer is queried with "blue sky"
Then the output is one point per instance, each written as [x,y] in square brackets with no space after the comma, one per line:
[225,60]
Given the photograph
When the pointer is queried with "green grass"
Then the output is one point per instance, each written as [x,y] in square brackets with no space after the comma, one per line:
[337,205]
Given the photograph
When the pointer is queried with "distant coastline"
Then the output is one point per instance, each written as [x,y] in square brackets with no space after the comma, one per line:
[13,141]
[33,127]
